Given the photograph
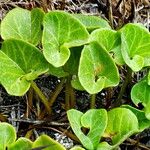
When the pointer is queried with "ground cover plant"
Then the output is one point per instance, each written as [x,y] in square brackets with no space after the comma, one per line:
[85,53]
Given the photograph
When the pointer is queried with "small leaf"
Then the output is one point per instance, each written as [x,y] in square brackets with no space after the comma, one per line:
[23,25]
[109,40]
[20,63]
[135,46]
[122,123]
[21,144]
[105,146]
[92,22]
[140,93]
[7,135]
[95,120]
[77,148]
[45,140]
[144,123]
[97,75]
[61,32]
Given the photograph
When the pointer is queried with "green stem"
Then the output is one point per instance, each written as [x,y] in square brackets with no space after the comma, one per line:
[93,100]
[123,88]
[56,92]
[42,97]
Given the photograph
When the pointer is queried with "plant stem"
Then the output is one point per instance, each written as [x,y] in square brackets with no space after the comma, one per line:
[72,97]
[67,94]
[42,97]
[123,88]
[93,100]
[56,92]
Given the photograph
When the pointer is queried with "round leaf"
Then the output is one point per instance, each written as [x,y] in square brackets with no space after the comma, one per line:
[22,24]
[122,123]
[140,93]
[48,143]
[109,40]
[20,63]
[94,69]
[135,46]
[7,135]
[61,32]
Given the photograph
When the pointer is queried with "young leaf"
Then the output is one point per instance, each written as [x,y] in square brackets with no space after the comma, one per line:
[7,135]
[20,63]
[94,69]
[122,123]
[92,22]
[21,144]
[95,120]
[22,24]
[45,140]
[109,40]
[135,46]
[61,32]
[140,93]
[77,148]
[144,123]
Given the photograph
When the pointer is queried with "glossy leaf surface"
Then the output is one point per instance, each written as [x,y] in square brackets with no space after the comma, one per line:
[122,123]
[109,40]
[94,120]
[61,32]
[97,69]
[92,22]
[45,140]
[140,93]
[7,135]
[135,46]
[21,144]
[23,25]
[20,63]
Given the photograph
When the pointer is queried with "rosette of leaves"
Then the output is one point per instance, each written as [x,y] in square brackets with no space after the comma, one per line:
[97,70]
[23,24]
[140,93]
[94,120]
[61,32]
[135,43]
[20,64]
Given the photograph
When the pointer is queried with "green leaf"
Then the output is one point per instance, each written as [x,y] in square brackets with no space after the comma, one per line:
[144,123]
[45,140]
[22,24]
[140,93]
[7,135]
[94,69]
[135,46]
[21,144]
[105,146]
[77,148]
[92,22]
[109,40]
[61,32]
[20,63]
[122,123]
[94,120]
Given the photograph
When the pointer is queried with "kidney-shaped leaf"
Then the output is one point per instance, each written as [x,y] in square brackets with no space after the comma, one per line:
[94,120]
[109,40]
[92,22]
[97,69]
[48,143]
[122,123]
[140,93]
[61,31]
[21,144]
[20,63]
[22,24]
[7,135]
[135,46]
